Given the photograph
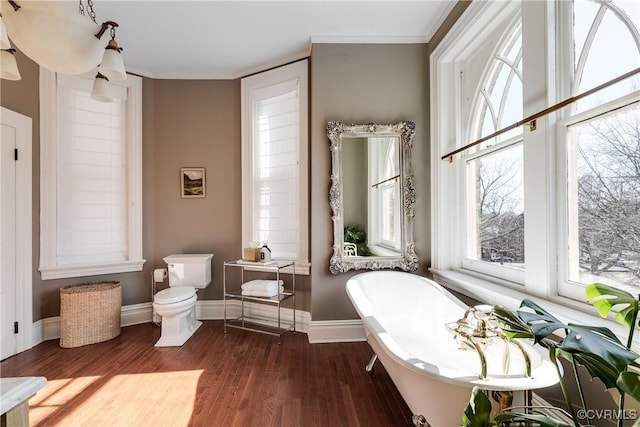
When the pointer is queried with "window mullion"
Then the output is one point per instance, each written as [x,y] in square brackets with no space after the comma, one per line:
[538,93]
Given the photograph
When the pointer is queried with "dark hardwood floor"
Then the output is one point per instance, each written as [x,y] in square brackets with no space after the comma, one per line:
[236,379]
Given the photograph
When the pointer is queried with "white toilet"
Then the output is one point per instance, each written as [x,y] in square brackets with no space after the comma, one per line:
[177,304]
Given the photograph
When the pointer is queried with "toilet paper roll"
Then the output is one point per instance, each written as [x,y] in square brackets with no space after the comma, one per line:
[159,274]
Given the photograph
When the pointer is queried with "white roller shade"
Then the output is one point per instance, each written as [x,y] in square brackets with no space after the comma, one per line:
[276,128]
[91,175]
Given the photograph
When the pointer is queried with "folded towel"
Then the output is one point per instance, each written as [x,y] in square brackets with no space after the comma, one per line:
[263,293]
[262,285]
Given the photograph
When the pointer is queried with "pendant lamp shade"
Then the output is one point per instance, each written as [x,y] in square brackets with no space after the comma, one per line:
[54,35]
[100,90]
[112,65]
[8,65]
[4,38]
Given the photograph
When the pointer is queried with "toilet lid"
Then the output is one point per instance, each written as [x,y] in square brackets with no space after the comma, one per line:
[177,294]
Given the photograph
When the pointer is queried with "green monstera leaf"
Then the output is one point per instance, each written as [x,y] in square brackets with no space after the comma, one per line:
[604,298]
[629,383]
[597,348]
[512,325]
[534,322]
[478,411]
[598,368]
[586,340]
[354,235]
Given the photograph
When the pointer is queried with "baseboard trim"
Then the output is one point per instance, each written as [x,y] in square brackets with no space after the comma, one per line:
[214,310]
[49,328]
[210,310]
[37,333]
[317,332]
[336,331]
[136,314]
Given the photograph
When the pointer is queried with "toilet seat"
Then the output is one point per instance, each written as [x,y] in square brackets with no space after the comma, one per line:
[173,295]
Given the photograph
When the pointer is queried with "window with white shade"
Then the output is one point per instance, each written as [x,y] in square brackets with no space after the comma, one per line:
[274,162]
[91,204]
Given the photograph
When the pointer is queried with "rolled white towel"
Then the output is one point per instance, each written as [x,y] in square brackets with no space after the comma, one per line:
[263,293]
[262,285]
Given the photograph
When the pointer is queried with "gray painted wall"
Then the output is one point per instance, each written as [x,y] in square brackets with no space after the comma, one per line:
[185,123]
[197,123]
[357,83]
[354,182]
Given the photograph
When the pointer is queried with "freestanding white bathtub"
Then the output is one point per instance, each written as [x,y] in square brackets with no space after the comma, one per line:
[404,317]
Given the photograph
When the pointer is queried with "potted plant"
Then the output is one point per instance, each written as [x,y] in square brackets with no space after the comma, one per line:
[353,234]
[595,348]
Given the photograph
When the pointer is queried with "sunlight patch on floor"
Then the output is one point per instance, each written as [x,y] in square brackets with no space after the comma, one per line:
[129,399]
[55,395]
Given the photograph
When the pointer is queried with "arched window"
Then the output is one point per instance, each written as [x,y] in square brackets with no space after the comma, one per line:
[574,177]
[495,194]
[499,96]
[606,44]
[603,147]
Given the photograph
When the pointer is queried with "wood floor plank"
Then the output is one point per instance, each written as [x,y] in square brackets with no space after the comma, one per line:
[240,378]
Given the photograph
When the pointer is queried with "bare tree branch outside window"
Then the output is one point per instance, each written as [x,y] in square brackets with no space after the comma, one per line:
[608,182]
[500,206]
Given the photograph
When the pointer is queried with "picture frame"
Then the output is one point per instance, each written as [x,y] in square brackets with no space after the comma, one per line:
[192,183]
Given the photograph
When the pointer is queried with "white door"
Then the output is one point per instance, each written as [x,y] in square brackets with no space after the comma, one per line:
[15,233]
[8,343]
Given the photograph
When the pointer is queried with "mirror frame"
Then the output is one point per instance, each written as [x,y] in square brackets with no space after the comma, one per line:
[408,260]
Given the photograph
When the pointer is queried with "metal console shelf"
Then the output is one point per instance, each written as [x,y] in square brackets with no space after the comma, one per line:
[253,323]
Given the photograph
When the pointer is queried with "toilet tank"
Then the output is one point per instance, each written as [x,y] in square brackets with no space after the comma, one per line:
[189,270]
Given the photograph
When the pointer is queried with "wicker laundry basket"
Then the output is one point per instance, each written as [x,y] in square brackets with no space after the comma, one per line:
[89,313]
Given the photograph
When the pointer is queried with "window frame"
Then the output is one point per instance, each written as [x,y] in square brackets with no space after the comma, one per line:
[545,172]
[567,287]
[473,125]
[568,87]
[376,190]
[297,70]
[448,180]
[49,267]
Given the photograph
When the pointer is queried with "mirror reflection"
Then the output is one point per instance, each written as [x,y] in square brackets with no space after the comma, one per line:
[372,196]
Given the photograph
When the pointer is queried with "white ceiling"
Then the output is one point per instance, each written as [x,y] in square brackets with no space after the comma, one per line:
[229,39]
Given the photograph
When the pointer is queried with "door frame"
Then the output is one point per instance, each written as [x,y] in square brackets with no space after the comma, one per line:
[24,224]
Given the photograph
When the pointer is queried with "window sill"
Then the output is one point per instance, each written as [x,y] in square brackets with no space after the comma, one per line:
[379,250]
[564,309]
[302,268]
[66,271]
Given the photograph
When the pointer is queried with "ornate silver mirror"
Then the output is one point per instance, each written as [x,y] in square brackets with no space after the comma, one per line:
[372,196]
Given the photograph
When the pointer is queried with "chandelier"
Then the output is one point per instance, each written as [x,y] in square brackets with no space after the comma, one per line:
[63,36]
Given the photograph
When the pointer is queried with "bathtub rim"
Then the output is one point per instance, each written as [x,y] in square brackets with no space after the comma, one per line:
[545,374]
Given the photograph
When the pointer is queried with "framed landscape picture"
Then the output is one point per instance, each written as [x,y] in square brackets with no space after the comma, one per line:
[192,182]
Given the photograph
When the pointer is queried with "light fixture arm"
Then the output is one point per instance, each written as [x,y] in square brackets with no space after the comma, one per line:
[104,27]
[15,5]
